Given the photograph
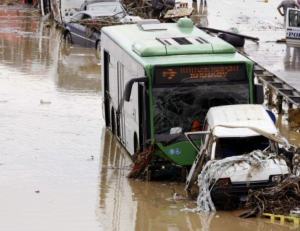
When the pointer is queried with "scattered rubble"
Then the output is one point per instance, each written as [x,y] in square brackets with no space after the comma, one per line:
[146,9]
[141,162]
[97,24]
[9,2]
[142,8]
[294,118]
[281,199]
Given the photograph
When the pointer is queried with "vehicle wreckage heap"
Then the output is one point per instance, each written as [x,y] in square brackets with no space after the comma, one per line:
[279,199]
[146,9]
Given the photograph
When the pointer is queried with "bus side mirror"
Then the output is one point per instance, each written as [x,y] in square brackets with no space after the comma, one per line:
[128,87]
[259,94]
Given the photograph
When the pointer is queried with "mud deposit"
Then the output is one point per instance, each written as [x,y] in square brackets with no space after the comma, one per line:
[59,168]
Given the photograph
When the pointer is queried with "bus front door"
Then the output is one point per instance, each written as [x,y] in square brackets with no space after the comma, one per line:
[106,90]
[120,114]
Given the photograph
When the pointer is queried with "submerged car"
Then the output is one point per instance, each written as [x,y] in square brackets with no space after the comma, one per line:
[83,27]
[236,131]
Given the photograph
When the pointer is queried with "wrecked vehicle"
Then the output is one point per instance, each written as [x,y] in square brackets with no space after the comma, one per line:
[160,79]
[63,10]
[84,28]
[239,151]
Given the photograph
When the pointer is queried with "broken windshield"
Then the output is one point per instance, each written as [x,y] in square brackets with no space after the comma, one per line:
[178,108]
[226,147]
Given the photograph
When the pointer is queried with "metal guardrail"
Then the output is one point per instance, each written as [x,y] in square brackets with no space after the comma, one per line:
[277,91]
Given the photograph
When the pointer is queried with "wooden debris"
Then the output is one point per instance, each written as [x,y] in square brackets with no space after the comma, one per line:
[294,118]
[179,13]
[141,162]
[279,199]
[97,24]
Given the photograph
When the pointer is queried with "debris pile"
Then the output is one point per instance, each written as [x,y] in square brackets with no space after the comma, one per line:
[155,9]
[98,23]
[214,169]
[142,8]
[9,2]
[163,10]
[280,199]
[141,162]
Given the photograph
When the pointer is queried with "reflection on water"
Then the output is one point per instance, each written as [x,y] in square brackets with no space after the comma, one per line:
[200,14]
[292,59]
[84,71]
[116,209]
[50,129]
[36,48]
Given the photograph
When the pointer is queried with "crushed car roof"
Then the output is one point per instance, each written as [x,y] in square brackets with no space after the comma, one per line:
[221,118]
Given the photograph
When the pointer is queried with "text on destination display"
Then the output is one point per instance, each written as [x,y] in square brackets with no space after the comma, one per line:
[203,73]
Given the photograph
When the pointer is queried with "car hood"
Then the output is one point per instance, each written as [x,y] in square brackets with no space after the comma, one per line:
[244,172]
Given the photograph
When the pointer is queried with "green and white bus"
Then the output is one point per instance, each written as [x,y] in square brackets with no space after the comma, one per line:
[160,79]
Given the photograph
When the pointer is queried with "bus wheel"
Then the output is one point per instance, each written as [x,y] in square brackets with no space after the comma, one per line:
[113,122]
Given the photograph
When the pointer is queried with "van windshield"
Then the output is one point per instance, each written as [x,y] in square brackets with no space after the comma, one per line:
[226,147]
[179,107]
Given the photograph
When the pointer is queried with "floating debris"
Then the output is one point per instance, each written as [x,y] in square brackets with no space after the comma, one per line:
[141,163]
[280,199]
[98,23]
[44,102]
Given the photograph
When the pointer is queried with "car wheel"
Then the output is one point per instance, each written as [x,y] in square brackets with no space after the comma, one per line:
[66,43]
[68,37]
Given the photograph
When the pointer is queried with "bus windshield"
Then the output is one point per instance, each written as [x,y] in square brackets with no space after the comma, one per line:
[183,94]
[178,107]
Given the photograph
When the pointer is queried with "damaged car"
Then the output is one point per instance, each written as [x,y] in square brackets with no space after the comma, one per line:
[239,151]
[84,28]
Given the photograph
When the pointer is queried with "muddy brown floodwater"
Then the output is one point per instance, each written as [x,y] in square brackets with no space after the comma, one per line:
[59,168]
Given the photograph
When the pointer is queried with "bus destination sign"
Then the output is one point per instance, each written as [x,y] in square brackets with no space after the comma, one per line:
[199,74]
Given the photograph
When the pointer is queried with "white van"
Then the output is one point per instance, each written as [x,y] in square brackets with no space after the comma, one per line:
[236,130]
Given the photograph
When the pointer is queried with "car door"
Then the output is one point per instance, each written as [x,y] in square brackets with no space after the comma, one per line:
[73,28]
[293,27]
[86,32]
[80,32]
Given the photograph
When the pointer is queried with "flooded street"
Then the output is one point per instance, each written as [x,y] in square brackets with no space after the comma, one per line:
[51,128]
[59,168]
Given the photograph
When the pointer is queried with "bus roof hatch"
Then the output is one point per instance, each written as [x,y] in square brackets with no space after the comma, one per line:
[179,46]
